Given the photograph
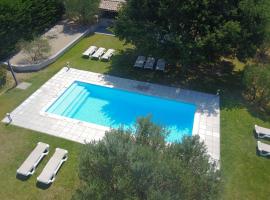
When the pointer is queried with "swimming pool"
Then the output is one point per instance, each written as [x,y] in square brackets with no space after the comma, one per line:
[113,107]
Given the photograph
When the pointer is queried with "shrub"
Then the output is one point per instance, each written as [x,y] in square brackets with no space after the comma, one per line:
[3,76]
[257,83]
[140,165]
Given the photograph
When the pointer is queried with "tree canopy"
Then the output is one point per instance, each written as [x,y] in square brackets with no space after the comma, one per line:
[194,31]
[257,82]
[139,164]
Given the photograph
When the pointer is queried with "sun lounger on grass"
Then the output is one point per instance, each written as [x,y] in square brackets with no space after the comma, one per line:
[264,149]
[149,64]
[139,62]
[90,51]
[98,53]
[262,132]
[49,172]
[161,63]
[29,165]
[108,54]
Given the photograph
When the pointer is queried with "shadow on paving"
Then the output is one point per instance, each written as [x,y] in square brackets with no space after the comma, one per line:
[207,79]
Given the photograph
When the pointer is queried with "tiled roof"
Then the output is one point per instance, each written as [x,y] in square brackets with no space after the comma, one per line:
[111,5]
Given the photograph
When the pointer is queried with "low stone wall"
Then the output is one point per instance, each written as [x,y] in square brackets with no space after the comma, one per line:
[53,58]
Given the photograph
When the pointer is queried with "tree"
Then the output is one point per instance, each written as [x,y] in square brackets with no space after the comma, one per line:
[3,75]
[257,82]
[263,51]
[82,10]
[36,49]
[194,32]
[139,164]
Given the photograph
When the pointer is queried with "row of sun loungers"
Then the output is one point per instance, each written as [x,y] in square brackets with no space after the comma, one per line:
[261,132]
[98,53]
[149,63]
[49,172]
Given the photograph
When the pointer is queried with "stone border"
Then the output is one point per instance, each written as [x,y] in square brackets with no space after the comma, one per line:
[31,113]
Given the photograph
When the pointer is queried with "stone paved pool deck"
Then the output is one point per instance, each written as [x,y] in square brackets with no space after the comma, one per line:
[31,113]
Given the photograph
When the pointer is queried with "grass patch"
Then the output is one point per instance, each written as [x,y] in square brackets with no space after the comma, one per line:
[245,175]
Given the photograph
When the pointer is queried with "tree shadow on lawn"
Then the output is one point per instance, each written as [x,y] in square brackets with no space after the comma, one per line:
[203,79]
[122,66]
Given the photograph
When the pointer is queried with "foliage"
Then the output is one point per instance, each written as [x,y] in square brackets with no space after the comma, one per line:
[139,165]
[3,76]
[262,55]
[194,31]
[257,82]
[36,49]
[82,10]
[23,19]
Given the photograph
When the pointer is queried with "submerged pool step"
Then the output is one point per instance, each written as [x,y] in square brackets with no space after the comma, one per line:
[76,103]
[57,105]
[64,101]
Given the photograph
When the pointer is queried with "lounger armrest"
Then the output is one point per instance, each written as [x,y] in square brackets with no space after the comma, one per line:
[32,171]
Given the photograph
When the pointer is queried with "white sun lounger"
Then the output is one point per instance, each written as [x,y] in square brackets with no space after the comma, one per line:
[264,149]
[149,64]
[29,165]
[49,172]
[108,54]
[98,53]
[161,63]
[90,51]
[139,62]
[262,132]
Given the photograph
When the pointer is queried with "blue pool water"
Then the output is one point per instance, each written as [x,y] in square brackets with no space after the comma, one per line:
[112,107]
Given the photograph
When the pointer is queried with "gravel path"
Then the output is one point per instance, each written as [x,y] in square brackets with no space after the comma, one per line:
[58,36]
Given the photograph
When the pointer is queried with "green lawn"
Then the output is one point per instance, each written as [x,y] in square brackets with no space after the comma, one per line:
[244,174]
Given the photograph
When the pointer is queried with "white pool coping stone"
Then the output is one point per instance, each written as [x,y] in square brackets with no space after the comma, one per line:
[31,113]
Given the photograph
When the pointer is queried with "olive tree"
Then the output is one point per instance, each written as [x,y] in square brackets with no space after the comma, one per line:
[139,164]
[36,49]
[257,82]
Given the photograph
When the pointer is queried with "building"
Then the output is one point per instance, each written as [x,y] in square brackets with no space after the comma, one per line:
[111,6]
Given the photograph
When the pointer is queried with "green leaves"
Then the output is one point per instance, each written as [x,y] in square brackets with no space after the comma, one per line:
[3,76]
[194,31]
[138,164]
[257,82]
[82,10]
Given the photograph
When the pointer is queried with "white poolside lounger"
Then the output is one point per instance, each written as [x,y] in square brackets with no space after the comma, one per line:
[98,53]
[108,54]
[49,172]
[90,51]
[139,62]
[262,132]
[161,63]
[29,165]
[149,64]
[264,149]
